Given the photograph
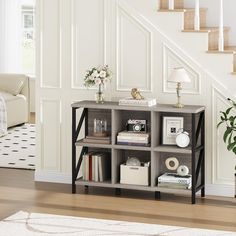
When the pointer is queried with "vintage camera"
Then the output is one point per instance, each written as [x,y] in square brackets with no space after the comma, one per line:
[136,125]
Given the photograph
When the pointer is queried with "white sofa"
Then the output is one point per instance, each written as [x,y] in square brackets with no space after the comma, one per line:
[15,90]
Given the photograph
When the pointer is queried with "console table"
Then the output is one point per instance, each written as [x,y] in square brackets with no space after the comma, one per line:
[83,114]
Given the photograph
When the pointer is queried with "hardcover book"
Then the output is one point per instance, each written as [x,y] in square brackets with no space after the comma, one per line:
[148,102]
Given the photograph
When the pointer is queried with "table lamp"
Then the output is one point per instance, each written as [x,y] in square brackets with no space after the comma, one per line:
[179,75]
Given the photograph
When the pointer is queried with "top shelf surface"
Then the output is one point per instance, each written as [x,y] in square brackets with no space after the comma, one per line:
[158,107]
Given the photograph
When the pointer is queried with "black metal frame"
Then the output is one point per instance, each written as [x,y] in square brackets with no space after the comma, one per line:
[75,134]
[199,167]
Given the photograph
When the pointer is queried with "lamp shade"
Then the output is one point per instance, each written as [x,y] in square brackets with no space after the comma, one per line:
[179,75]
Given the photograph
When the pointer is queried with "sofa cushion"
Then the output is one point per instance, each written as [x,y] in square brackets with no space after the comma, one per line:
[8,96]
[12,83]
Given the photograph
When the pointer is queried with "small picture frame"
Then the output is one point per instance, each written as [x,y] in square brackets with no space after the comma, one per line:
[171,127]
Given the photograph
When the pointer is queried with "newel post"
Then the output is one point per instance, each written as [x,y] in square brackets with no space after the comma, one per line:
[221,27]
[171,4]
[197,16]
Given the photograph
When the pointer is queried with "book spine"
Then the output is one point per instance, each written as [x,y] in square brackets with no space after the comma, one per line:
[139,102]
[178,181]
[132,138]
[87,167]
[132,144]
[84,167]
[96,168]
[90,168]
[132,141]
[100,169]
[134,134]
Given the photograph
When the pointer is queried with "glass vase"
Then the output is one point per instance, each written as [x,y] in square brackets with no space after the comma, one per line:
[99,96]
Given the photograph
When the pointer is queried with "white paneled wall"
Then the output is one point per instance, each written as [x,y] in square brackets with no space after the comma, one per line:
[74,35]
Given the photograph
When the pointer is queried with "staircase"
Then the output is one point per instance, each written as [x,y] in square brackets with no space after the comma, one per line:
[195,22]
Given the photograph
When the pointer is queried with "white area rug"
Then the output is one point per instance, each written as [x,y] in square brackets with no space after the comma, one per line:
[17,148]
[32,224]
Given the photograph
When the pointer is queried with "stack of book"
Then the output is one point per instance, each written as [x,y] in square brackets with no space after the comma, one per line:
[96,167]
[133,138]
[172,180]
[147,102]
[96,139]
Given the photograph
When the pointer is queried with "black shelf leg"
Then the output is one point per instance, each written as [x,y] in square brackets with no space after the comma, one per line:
[73,150]
[203,161]
[86,189]
[157,195]
[193,158]
[118,191]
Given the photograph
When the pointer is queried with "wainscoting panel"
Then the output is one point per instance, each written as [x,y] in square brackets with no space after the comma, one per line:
[223,161]
[89,38]
[50,135]
[134,52]
[50,44]
[172,60]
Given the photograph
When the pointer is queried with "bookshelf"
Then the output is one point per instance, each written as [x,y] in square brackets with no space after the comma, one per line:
[83,114]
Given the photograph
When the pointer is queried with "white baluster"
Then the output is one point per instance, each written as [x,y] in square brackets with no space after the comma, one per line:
[171,4]
[221,27]
[197,15]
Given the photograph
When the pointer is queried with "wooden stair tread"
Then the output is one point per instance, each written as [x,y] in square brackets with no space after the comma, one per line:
[227,50]
[181,10]
[205,30]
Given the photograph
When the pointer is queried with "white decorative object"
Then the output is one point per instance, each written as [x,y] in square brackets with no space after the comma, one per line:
[182,170]
[172,163]
[133,161]
[221,27]
[182,139]
[197,15]
[171,126]
[137,175]
[179,75]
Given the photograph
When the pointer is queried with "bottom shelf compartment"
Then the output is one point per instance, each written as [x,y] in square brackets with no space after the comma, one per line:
[108,184]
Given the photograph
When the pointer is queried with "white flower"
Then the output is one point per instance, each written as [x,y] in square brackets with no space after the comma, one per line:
[102,74]
[95,74]
[98,81]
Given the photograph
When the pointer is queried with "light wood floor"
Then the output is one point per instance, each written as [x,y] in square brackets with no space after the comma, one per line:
[18,192]
[32,118]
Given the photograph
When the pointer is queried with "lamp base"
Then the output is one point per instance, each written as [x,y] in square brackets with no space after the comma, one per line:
[178,105]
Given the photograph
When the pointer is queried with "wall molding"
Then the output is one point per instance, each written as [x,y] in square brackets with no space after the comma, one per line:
[125,12]
[171,57]
[217,96]
[43,132]
[75,80]
[220,190]
[59,49]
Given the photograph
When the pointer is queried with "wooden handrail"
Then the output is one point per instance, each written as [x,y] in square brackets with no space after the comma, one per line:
[171,4]
[197,15]
[221,28]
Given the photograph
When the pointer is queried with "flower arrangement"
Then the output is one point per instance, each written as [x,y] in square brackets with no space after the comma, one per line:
[97,76]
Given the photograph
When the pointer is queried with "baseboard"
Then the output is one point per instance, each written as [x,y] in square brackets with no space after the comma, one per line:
[220,190]
[52,177]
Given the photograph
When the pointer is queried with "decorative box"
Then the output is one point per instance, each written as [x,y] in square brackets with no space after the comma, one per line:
[136,175]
